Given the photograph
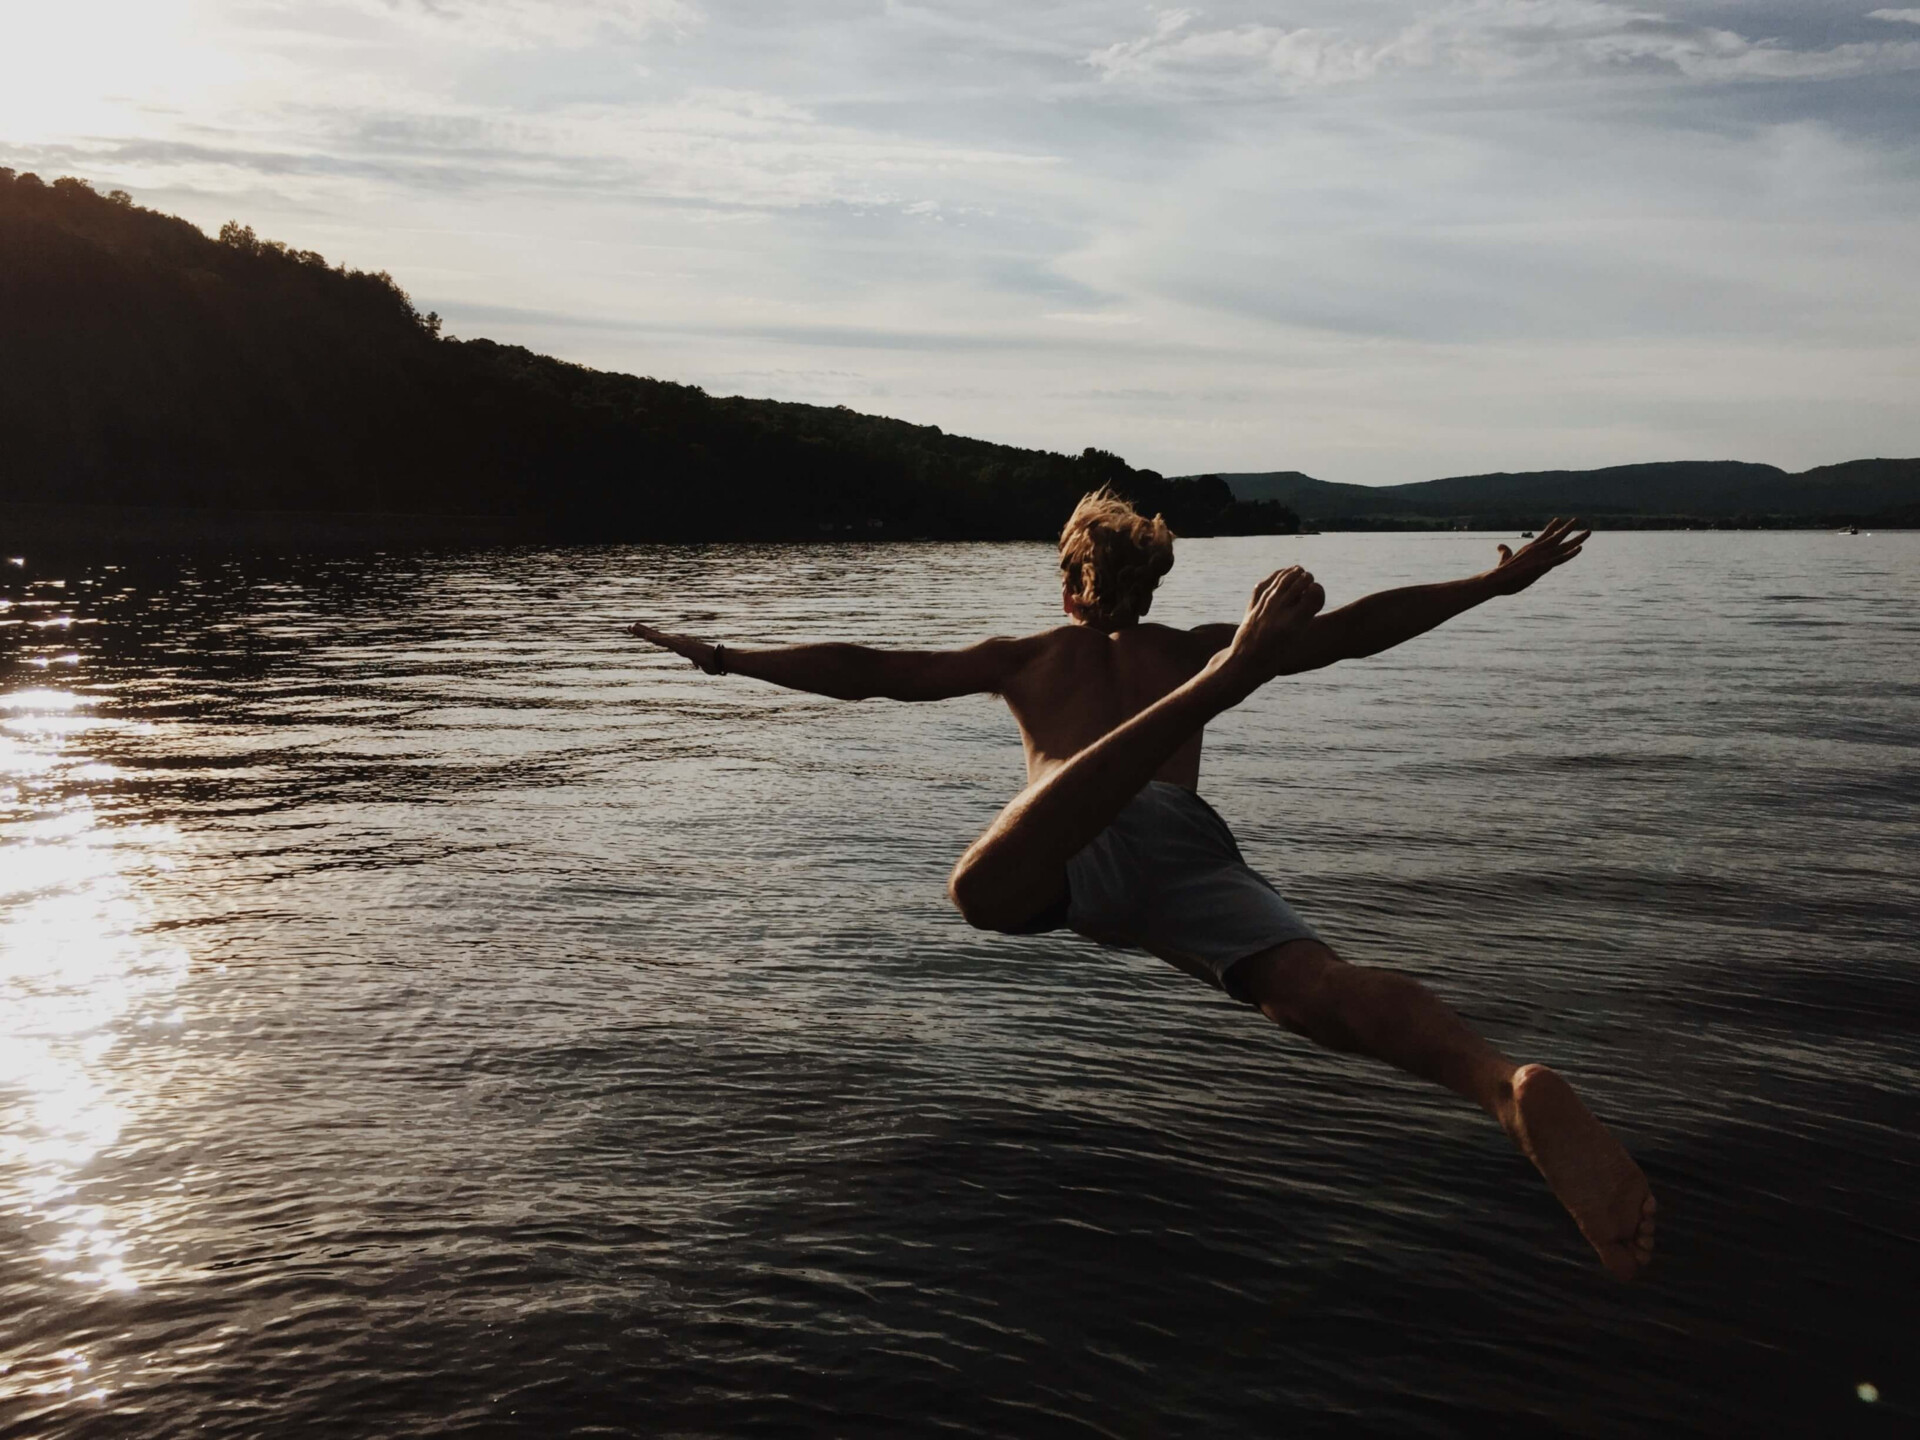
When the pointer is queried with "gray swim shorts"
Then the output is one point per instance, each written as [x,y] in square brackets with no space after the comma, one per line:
[1166,876]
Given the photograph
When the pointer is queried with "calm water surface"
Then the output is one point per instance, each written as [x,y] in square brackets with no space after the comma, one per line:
[424,1011]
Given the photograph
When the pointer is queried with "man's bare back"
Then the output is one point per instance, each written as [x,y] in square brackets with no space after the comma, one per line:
[1080,683]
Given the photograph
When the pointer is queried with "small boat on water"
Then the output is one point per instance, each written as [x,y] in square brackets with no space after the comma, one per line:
[1526,534]
[1850,530]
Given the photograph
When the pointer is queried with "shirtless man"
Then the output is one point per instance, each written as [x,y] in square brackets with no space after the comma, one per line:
[1110,838]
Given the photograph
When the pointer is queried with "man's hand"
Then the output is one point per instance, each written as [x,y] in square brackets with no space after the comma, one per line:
[698,651]
[1556,545]
[1281,606]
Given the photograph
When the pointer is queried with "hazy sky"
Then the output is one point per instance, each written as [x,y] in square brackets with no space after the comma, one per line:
[1372,241]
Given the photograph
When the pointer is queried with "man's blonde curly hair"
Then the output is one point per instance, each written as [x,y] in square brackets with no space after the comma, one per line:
[1112,557]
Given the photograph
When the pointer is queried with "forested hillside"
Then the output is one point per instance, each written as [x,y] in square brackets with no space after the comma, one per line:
[143,363]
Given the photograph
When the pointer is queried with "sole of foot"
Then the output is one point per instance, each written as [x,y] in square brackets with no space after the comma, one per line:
[1587,1169]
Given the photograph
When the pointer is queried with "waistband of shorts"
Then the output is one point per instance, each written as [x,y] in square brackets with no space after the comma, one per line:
[1163,786]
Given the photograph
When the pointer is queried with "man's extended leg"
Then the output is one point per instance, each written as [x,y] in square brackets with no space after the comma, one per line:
[1305,987]
[1016,868]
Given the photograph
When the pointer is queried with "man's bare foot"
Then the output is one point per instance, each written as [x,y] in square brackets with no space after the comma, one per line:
[1586,1168]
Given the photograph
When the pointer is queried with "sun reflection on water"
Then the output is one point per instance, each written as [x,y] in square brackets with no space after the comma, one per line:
[79,969]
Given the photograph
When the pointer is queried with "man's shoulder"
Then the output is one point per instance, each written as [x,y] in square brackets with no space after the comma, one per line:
[1145,634]
[1042,646]
[1183,641]
[1062,637]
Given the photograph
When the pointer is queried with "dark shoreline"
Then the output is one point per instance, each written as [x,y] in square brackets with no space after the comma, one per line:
[141,527]
[1360,524]
[152,526]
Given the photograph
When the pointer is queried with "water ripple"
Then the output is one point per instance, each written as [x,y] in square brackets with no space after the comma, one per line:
[428,1013]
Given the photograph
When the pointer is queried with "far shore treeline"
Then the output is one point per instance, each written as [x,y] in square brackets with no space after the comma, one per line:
[145,365]
[1675,494]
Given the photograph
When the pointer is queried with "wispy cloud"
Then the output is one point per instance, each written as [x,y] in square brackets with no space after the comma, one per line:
[529,24]
[1487,39]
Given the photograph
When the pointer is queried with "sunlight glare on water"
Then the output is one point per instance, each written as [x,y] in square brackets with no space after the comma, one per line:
[77,962]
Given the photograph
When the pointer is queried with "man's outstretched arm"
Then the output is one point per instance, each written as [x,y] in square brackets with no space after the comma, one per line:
[1381,621]
[860,672]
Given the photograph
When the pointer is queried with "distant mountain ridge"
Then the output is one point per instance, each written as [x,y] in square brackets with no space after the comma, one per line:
[1884,490]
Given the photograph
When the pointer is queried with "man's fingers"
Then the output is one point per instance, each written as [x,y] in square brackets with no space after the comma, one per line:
[1505,553]
[1550,533]
[1570,548]
[1295,589]
[1552,543]
[1301,599]
[679,644]
[1278,580]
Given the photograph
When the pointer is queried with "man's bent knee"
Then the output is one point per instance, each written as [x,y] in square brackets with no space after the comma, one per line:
[987,903]
[974,908]
[976,898]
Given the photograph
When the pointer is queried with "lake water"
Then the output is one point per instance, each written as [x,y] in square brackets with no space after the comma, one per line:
[426,1011]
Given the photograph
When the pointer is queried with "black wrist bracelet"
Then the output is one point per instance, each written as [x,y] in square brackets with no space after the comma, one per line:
[719,660]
